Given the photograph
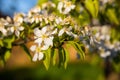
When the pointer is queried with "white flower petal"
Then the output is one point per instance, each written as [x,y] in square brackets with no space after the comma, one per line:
[36,55]
[12,29]
[68,33]
[44,29]
[105,54]
[21,28]
[49,41]
[37,32]
[58,20]
[4,31]
[45,47]
[55,31]
[40,56]
[39,40]
[61,32]
[60,6]
[17,33]
[67,10]
[72,6]
[33,48]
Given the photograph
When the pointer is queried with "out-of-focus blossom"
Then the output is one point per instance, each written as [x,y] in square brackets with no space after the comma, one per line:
[17,28]
[65,6]
[38,55]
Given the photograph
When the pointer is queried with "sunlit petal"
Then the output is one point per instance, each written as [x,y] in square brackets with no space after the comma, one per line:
[40,56]
[60,6]
[49,41]
[45,47]
[55,31]
[17,33]
[44,29]
[35,57]
[37,32]
[61,32]
[39,40]
[33,48]
[21,28]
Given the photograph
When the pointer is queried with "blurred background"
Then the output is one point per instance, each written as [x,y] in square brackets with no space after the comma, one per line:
[19,66]
[10,7]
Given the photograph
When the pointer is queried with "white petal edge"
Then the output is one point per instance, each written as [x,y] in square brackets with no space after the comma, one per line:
[35,57]
[40,56]
[33,48]
[61,32]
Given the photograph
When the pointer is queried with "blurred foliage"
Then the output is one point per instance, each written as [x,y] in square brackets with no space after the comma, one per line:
[83,71]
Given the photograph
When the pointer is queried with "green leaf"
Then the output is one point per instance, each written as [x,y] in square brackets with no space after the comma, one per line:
[7,55]
[77,48]
[96,6]
[1,43]
[111,15]
[26,50]
[54,56]
[92,6]
[40,2]
[61,56]
[55,1]
[81,53]
[8,41]
[47,59]
[2,64]
[66,54]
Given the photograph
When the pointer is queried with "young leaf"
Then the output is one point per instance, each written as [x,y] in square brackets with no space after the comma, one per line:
[7,55]
[61,56]
[66,54]
[1,43]
[46,61]
[2,64]
[8,41]
[81,53]
[40,2]
[54,56]
[77,48]
[26,50]
[111,14]
[92,7]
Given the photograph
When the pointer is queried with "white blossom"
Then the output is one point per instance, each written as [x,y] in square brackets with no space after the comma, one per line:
[43,36]
[105,54]
[17,28]
[38,55]
[67,31]
[65,7]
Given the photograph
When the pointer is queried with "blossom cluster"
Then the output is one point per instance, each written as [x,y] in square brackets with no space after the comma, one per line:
[47,29]
[51,29]
[103,46]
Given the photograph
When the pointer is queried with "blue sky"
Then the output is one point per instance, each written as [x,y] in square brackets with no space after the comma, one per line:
[9,7]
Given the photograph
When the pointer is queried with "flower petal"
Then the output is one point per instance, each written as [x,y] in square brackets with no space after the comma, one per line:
[39,40]
[33,48]
[44,29]
[40,56]
[37,32]
[67,10]
[60,6]
[35,57]
[49,41]
[17,33]
[21,28]
[61,32]
[55,31]
[44,47]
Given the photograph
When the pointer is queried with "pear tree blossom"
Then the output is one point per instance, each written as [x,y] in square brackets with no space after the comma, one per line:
[52,29]
[65,6]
